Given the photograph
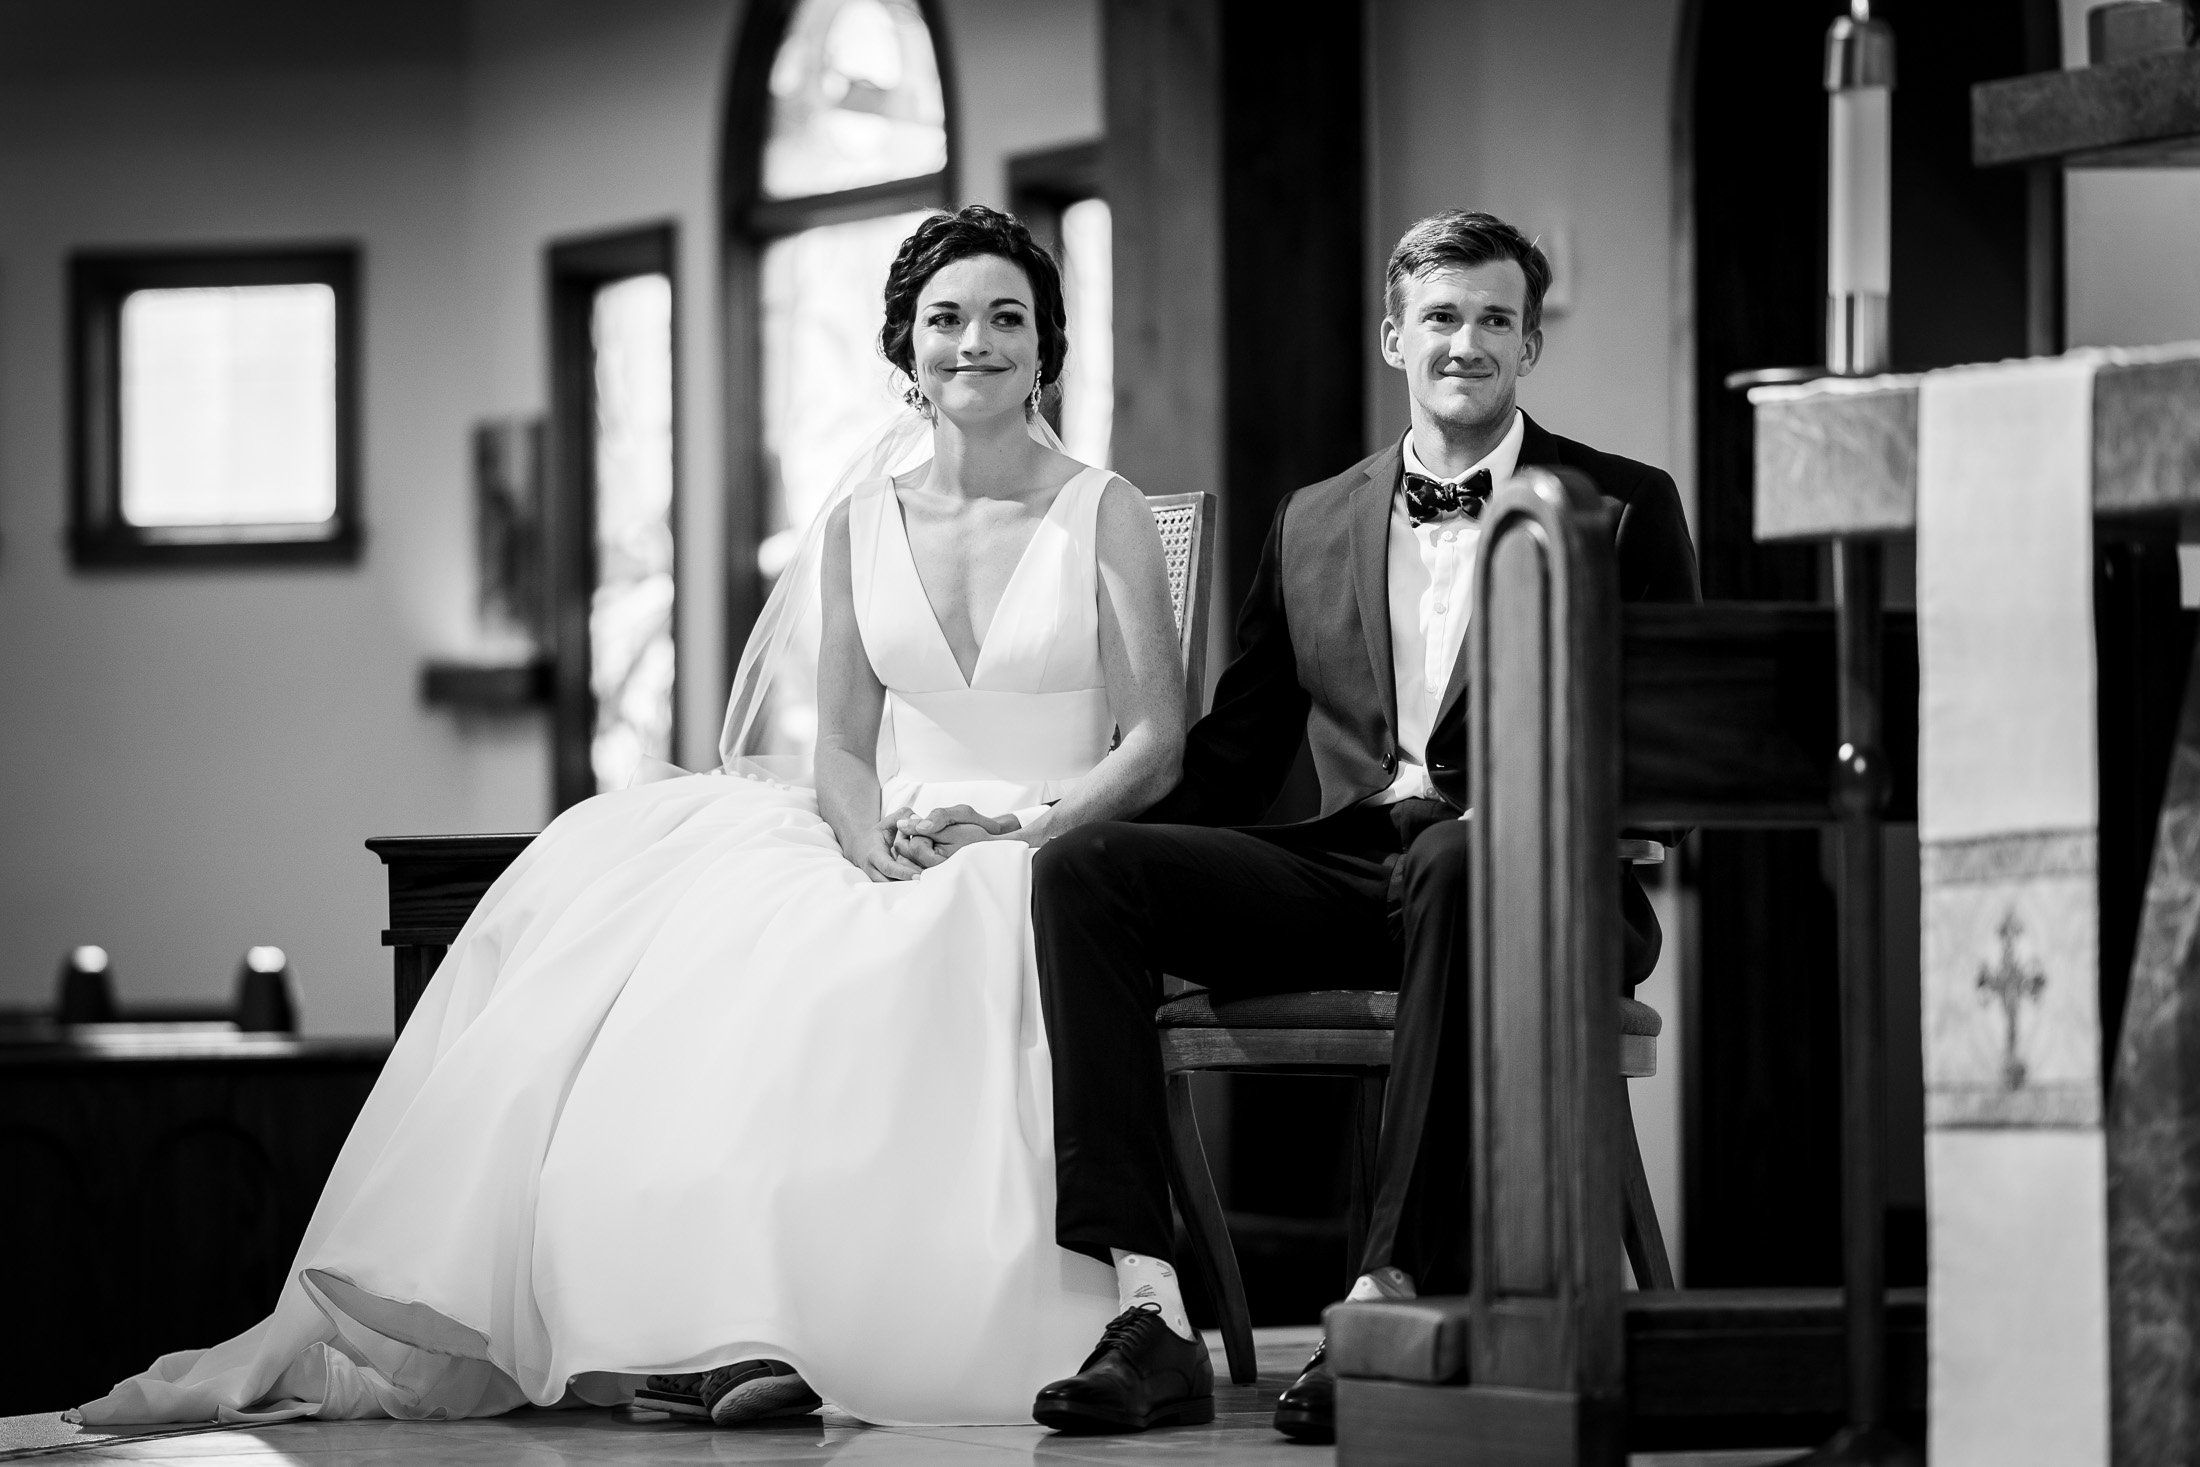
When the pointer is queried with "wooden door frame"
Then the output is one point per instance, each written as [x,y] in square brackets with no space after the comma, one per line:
[575,270]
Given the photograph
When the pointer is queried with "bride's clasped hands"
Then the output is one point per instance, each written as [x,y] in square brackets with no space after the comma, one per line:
[925,841]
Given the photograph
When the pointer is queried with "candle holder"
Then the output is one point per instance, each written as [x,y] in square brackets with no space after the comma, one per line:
[1859,245]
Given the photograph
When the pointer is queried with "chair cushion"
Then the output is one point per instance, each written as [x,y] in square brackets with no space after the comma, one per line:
[1336,1008]
[1637,1017]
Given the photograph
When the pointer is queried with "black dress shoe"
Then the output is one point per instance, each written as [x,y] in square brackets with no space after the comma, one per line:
[1142,1374]
[1307,1410]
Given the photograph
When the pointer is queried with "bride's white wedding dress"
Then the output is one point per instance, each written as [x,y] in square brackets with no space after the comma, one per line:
[689,1089]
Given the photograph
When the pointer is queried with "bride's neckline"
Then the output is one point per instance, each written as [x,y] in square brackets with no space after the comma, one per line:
[1009,587]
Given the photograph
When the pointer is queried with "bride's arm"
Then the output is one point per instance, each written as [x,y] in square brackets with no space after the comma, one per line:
[1145,672]
[1145,676]
[850,702]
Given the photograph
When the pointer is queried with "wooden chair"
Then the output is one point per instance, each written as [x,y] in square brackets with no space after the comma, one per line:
[1347,1034]
[1341,1033]
[1187,525]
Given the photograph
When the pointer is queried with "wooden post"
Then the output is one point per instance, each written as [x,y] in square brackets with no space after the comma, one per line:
[1860,786]
[1543,760]
[1161,165]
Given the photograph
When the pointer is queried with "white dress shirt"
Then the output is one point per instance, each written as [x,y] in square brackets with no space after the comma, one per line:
[1431,573]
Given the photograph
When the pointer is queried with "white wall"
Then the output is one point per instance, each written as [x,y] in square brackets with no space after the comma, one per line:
[1027,76]
[2131,268]
[1557,117]
[190,760]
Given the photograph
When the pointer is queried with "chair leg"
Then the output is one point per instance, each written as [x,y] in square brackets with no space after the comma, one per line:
[1202,1209]
[1639,1224]
[1367,1130]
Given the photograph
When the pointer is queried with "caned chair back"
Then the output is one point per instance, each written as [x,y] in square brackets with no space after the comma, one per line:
[1187,525]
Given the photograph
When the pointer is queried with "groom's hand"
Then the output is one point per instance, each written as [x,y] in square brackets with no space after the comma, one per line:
[949,829]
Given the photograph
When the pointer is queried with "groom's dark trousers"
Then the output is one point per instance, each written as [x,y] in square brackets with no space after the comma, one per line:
[1364,895]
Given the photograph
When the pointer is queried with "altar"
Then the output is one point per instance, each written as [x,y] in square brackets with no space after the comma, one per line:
[2063,1128]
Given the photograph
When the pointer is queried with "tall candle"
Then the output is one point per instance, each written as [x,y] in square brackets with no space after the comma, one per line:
[1857,240]
[1859,86]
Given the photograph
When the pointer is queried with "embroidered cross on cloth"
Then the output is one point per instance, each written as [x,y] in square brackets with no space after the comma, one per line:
[1428,499]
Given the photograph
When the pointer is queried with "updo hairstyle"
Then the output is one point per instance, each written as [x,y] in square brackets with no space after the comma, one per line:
[976,230]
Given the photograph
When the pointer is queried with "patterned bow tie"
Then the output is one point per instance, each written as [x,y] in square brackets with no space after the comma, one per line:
[1432,499]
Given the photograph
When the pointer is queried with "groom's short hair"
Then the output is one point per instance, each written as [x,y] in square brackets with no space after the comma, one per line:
[1461,237]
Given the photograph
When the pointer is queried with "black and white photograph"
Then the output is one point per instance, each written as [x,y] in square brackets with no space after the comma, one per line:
[1362,732]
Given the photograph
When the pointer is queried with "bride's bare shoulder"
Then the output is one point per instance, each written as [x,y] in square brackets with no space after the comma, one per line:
[1063,468]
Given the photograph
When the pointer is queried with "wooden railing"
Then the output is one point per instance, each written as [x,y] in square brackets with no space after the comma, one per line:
[1585,717]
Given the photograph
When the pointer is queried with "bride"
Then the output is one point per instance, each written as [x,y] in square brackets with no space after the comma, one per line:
[746,1076]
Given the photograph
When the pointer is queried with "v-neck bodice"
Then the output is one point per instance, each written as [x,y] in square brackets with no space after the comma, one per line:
[1033,715]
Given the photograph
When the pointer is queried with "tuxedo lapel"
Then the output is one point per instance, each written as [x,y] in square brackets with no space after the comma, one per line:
[1369,507]
[1536,445]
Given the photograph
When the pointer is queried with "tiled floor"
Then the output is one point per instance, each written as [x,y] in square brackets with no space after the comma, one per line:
[1239,1437]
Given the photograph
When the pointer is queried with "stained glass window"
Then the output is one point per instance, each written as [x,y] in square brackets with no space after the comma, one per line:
[856,99]
[228,398]
[630,616]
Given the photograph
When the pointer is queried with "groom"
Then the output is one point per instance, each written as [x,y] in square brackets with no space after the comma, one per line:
[1352,639]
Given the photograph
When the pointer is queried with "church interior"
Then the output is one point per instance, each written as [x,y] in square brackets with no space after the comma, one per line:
[576,306]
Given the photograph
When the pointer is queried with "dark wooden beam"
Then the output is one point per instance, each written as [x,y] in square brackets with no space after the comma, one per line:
[2143,113]
[1755,1367]
[1161,164]
[1705,1368]
[1294,279]
[1728,714]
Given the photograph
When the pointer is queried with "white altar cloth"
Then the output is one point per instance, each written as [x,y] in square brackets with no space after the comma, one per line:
[2008,815]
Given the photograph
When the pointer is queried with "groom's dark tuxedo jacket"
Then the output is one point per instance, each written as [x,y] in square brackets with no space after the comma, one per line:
[1314,638]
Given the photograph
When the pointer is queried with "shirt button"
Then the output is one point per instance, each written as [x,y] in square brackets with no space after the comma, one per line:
[1441,608]
[1450,535]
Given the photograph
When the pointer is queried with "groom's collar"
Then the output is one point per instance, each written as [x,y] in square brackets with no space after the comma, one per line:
[1500,461]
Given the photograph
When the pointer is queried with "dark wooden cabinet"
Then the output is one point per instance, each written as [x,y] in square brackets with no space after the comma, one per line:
[157,1186]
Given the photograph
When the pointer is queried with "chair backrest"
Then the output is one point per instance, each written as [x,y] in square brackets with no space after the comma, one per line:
[1187,525]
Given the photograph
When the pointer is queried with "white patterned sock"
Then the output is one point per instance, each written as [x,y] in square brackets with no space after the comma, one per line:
[1141,1278]
[1383,1283]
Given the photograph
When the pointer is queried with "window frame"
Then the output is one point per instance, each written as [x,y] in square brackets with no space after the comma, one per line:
[99,282]
[574,269]
[751,222]
[1042,185]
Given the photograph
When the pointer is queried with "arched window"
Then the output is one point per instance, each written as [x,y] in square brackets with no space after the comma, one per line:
[838,142]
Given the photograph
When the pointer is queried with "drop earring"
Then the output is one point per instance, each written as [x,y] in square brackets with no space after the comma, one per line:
[1038,384]
[918,402]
